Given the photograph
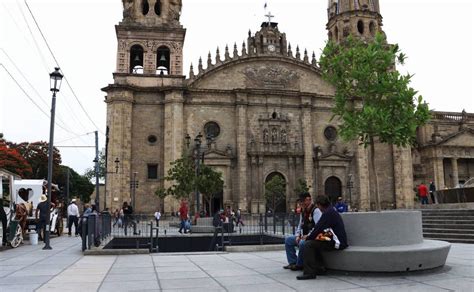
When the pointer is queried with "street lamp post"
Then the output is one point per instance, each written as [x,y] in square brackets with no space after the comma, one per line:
[55,84]
[350,185]
[116,161]
[197,163]
[133,187]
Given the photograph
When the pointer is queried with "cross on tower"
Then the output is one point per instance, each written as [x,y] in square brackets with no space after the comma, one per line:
[270,16]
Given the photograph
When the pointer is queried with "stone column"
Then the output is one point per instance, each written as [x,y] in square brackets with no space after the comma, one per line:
[403,176]
[226,194]
[362,163]
[261,184]
[241,124]
[119,121]
[290,184]
[173,138]
[307,126]
[454,163]
[439,173]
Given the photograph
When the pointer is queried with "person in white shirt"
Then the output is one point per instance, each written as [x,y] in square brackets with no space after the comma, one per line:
[72,217]
[157,218]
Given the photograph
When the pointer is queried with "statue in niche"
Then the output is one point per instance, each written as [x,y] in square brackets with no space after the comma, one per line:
[274,135]
[283,136]
[265,136]
[128,9]
[175,9]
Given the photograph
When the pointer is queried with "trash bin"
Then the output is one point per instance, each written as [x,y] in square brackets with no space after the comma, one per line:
[33,238]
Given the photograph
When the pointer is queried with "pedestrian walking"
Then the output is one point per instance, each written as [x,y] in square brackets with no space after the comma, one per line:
[128,218]
[157,218]
[432,192]
[72,217]
[423,193]
[42,219]
[183,216]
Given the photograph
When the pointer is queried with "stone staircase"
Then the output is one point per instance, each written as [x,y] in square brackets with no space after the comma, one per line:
[453,225]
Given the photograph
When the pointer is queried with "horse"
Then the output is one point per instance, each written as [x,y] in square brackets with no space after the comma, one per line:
[22,211]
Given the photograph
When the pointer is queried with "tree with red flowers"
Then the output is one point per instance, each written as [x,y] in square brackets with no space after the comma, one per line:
[11,160]
[36,154]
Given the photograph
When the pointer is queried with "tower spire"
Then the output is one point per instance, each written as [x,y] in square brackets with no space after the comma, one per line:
[360,19]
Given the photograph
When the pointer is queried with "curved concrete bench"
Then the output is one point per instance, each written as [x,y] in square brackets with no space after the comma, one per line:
[390,241]
[203,225]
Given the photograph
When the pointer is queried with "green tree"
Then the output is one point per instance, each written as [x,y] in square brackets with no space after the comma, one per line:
[373,101]
[301,187]
[182,175]
[275,191]
[36,154]
[80,186]
[209,183]
[184,180]
[90,172]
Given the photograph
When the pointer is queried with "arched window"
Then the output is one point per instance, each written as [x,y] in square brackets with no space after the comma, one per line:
[360,26]
[136,59]
[145,7]
[163,61]
[158,7]
[372,28]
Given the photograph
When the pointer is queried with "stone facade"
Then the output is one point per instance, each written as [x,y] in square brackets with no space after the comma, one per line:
[446,150]
[267,105]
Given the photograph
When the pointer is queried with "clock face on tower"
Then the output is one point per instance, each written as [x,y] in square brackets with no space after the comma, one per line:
[271,48]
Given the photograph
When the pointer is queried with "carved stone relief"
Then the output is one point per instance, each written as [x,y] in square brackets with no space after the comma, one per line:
[270,77]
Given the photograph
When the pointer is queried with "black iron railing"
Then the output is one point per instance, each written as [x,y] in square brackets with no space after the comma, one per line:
[101,227]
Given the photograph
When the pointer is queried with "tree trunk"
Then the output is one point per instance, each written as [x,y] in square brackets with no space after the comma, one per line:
[374,174]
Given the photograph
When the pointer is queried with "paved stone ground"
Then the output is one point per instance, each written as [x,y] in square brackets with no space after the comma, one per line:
[29,268]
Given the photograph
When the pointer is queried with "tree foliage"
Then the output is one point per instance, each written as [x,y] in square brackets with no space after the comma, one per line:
[301,187]
[11,160]
[275,191]
[373,101]
[79,185]
[184,180]
[36,154]
[209,182]
[90,172]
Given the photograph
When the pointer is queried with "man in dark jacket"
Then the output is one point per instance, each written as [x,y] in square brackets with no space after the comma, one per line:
[328,234]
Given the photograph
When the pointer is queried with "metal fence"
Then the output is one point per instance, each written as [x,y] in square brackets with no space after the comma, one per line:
[457,195]
[100,227]
[94,229]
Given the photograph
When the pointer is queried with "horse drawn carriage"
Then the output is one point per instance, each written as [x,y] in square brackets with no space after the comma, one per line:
[18,211]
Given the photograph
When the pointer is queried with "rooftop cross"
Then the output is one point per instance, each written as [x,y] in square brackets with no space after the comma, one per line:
[270,16]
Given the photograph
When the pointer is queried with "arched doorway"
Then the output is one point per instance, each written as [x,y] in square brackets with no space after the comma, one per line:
[216,204]
[333,188]
[276,203]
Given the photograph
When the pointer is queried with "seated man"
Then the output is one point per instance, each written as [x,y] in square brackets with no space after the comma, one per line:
[328,234]
[341,206]
[308,219]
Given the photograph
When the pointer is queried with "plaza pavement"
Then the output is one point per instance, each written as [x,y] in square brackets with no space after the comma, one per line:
[29,268]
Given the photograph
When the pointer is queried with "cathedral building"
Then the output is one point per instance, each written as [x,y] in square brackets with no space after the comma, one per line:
[262,109]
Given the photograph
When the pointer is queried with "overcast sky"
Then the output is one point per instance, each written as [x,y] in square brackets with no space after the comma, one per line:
[437,36]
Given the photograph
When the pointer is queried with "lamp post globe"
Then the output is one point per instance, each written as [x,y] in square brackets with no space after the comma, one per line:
[55,84]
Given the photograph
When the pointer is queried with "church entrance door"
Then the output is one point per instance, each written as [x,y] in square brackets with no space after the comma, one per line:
[216,203]
[333,188]
[276,203]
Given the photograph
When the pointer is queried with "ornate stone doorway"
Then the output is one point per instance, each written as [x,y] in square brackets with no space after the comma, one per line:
[333,188]
[215,204]
[278,203]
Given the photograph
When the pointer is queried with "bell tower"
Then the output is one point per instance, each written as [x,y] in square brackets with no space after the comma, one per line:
[150,38]
[359,18]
